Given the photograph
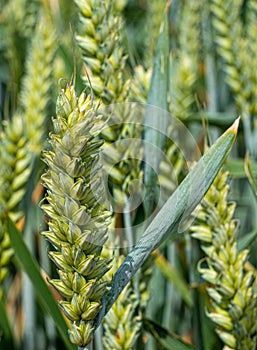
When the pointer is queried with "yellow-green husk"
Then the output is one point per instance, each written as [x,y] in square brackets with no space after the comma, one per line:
[78,219]
[233,301]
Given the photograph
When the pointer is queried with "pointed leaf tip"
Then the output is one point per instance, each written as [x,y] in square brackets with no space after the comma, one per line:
[234,126]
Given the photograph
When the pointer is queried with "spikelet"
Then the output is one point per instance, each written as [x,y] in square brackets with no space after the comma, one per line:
[78,219]
[14,173]
[122,323]
[36,86]
[99,41]
[233,302]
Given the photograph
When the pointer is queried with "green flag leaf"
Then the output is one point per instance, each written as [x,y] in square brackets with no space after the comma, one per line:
[167,223]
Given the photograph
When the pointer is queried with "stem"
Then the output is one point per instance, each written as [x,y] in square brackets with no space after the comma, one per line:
[45,264]
[172,297]
[128,224]
[197,321]
[28,297]
[192,249]
[211,70]
[130,239]
[246,118]
[98,338]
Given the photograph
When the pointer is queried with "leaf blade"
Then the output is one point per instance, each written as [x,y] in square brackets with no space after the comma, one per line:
[5,328]
[164,337]
[156,121]
[30,266]
[166,223]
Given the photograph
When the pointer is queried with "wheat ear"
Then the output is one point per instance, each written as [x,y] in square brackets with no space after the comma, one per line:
[78,220]
[14,173]
[233,301]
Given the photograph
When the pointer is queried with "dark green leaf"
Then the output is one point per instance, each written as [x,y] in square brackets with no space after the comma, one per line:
[6,335]
[30,266]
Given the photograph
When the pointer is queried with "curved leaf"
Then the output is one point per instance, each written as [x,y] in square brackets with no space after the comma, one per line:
[167,224]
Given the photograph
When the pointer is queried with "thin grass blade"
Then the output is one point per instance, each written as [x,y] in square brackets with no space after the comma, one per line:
[6,335]
[174,277]
[30,266]
[168,340]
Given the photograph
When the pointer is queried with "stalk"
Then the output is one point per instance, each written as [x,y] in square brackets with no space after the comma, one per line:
[155,9]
